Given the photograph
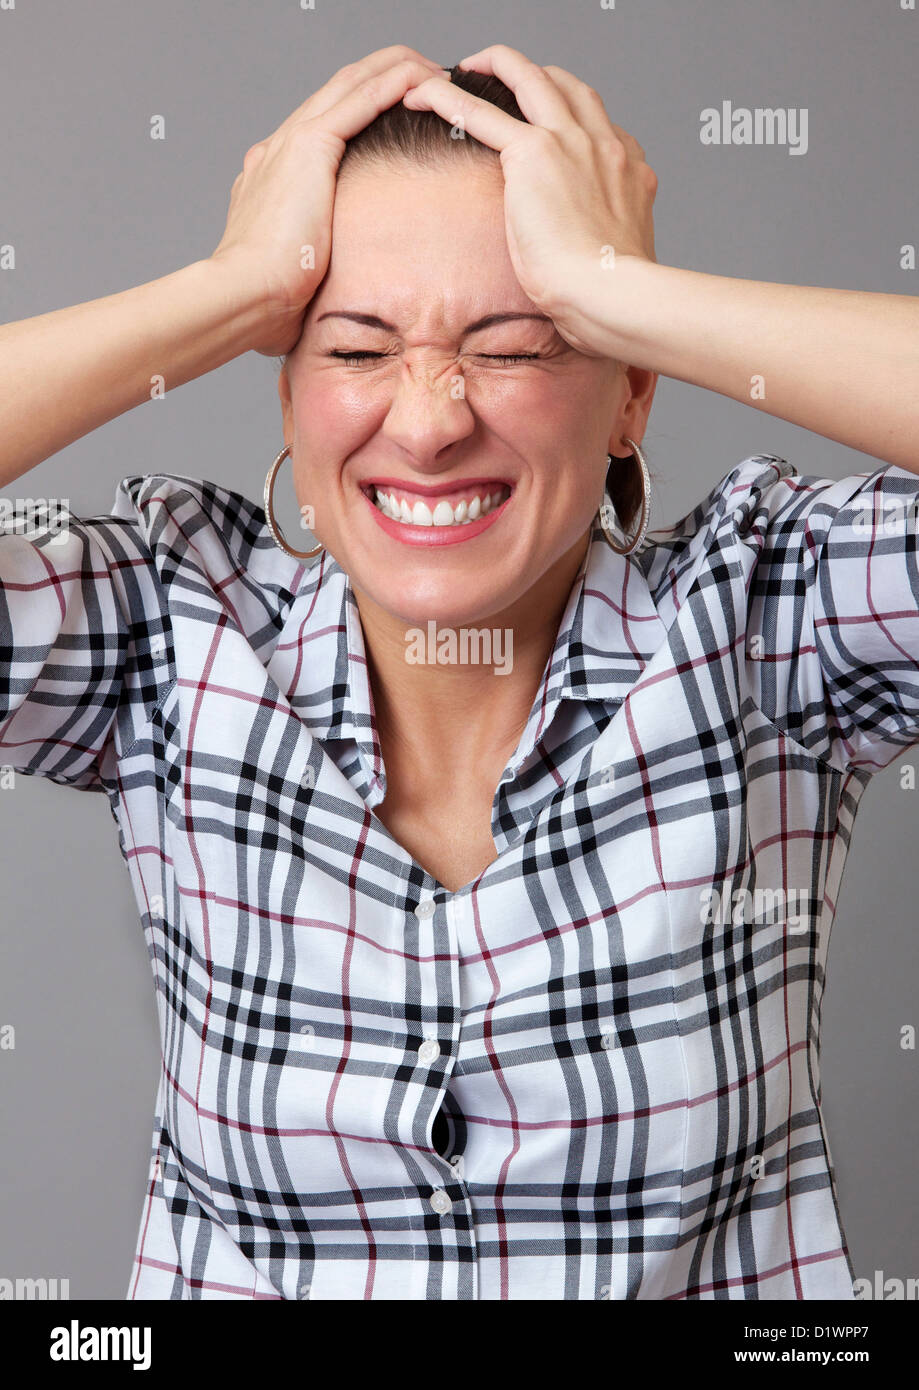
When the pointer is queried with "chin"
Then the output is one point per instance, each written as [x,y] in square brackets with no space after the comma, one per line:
[446,604]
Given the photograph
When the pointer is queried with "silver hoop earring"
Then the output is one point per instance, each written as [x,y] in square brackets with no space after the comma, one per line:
[603,514]
[269,512]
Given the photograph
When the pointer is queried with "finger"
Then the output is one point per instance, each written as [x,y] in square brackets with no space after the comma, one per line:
[349,78]
[540,100]
[376,93]
[585,102]
[481,119]
[633,149]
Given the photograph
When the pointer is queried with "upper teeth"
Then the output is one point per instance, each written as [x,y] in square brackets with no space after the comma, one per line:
[443,514]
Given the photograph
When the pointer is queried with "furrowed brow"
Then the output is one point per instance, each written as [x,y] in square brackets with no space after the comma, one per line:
[374,321]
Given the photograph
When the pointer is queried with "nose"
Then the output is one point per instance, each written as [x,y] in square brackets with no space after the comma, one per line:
[429,411]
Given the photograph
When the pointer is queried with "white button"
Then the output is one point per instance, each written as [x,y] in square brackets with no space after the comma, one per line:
[608,1039]
[440,1201]
[429,1050]
[425,909]
[303,1291]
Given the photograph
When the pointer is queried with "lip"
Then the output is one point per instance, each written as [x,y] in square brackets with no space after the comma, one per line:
[408,534]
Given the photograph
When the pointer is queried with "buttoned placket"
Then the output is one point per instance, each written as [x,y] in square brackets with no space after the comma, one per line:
[441,916]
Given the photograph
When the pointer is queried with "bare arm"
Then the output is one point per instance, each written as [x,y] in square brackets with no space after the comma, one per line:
[843,363]
[65,373]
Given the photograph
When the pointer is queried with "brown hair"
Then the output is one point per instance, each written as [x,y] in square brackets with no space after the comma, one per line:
[398,135]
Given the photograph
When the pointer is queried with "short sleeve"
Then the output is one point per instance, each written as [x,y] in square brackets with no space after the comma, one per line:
[833,619]
[83,645]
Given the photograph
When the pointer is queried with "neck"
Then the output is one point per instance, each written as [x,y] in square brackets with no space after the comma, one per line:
[473,707]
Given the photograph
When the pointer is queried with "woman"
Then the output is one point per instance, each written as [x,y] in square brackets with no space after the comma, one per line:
[487,850]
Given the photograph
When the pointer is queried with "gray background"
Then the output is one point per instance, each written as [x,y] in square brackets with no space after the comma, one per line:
[93,206]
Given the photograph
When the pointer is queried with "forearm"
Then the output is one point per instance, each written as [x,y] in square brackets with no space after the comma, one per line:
[843,363]
[65,373]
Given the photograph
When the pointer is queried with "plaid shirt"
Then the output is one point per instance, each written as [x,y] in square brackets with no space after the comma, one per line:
[593,1072]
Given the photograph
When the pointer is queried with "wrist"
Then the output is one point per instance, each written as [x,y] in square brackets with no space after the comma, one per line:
[236,302]
[606,306]
[194,320]
[265,317]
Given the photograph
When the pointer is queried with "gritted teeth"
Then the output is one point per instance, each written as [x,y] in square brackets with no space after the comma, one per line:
[456,510]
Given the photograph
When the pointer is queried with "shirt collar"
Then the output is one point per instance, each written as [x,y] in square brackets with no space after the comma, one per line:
[609,631]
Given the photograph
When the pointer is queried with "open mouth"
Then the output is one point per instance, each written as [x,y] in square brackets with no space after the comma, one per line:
[457,508]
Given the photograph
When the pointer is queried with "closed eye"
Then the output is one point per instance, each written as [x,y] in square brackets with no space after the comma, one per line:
[509,356]
[349,357]
[355,356]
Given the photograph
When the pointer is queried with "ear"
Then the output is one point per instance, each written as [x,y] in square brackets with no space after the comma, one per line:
[287,410]
[633,417]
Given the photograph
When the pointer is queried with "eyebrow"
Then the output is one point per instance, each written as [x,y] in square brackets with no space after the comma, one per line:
[373,321]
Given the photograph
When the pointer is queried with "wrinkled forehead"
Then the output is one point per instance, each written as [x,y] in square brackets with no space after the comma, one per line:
[422,248]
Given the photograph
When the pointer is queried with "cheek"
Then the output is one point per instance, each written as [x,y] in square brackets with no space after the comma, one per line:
[575,499]
[324,433]
[335,414]
[329,412]
[559,409]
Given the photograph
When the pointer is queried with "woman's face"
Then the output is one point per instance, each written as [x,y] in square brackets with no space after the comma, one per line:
[433,416]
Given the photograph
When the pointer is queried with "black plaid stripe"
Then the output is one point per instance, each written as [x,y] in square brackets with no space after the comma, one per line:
[623,1097]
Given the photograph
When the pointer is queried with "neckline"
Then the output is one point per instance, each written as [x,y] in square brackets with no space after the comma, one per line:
[439,888]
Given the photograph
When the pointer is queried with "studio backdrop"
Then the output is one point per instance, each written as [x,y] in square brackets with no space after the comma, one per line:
[124,125]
